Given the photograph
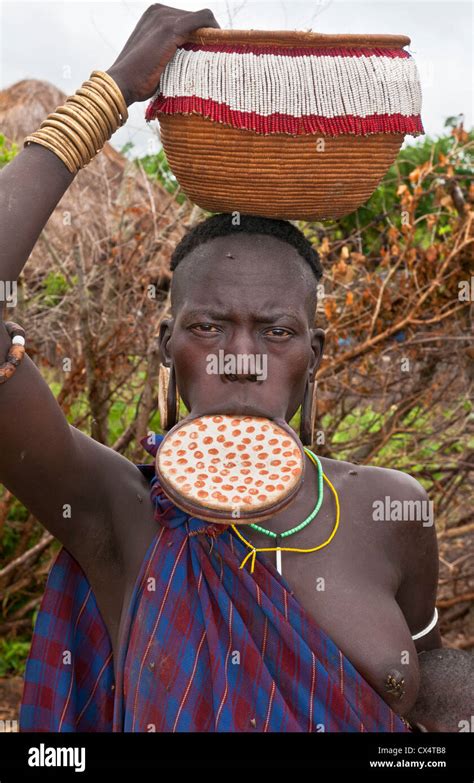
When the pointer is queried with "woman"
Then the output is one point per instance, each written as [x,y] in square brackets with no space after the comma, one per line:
[246,289]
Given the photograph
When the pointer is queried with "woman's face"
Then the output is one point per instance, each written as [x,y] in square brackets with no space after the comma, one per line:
[241,336]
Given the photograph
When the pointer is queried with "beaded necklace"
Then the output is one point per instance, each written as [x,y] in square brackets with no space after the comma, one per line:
[311,516]
[278,536]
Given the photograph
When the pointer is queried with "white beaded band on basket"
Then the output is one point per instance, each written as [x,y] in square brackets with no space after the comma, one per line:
[285,124]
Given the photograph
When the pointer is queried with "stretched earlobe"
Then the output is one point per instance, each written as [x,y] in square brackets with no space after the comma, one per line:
[168,397]
[308,413]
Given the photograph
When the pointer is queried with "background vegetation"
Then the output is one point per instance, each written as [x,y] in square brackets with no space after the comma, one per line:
[394,386]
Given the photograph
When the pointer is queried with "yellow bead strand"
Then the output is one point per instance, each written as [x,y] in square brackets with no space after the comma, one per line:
[254,550]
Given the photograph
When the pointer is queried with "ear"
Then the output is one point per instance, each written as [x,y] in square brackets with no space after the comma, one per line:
[166,330]
[318,337]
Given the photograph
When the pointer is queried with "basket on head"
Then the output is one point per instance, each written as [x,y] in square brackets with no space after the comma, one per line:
[281,124]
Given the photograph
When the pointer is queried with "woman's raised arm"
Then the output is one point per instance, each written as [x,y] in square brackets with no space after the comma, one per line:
[34,182]
[44,461]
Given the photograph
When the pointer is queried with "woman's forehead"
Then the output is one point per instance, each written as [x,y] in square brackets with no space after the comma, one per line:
[255,272]
[244,266]
[228,291]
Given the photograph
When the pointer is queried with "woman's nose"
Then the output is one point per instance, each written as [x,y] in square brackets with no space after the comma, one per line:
[241,342]
[243,359]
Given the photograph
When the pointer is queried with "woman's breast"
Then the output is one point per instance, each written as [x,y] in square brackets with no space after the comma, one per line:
[355,605]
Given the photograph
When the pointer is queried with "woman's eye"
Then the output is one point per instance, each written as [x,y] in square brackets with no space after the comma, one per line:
[279,331]
[209,328]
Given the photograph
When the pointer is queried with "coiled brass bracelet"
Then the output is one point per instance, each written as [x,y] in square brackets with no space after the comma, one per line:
[78,130]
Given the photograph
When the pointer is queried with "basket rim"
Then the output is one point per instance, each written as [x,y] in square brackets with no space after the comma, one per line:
[291,38]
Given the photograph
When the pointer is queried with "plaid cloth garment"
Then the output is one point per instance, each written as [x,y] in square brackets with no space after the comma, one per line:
[207,647]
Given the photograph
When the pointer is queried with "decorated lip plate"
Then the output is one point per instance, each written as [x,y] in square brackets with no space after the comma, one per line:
[238,468]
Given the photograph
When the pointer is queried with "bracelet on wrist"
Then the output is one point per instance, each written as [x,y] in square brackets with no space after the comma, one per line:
[15,353]
[78,130]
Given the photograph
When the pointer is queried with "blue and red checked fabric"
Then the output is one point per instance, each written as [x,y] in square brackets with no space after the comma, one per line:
[206,647]
[69,676]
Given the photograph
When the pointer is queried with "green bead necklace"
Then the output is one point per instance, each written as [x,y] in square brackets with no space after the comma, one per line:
[311,516]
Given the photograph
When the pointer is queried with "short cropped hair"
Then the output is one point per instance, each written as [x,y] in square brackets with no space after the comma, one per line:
[225,224]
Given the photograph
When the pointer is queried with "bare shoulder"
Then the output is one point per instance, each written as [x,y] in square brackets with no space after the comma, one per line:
[392,509]
[390,495]
[400,500]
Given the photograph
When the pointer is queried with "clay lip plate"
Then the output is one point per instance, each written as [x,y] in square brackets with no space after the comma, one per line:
[220,466]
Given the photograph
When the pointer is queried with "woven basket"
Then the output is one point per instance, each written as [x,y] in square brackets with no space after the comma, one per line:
[291,125]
